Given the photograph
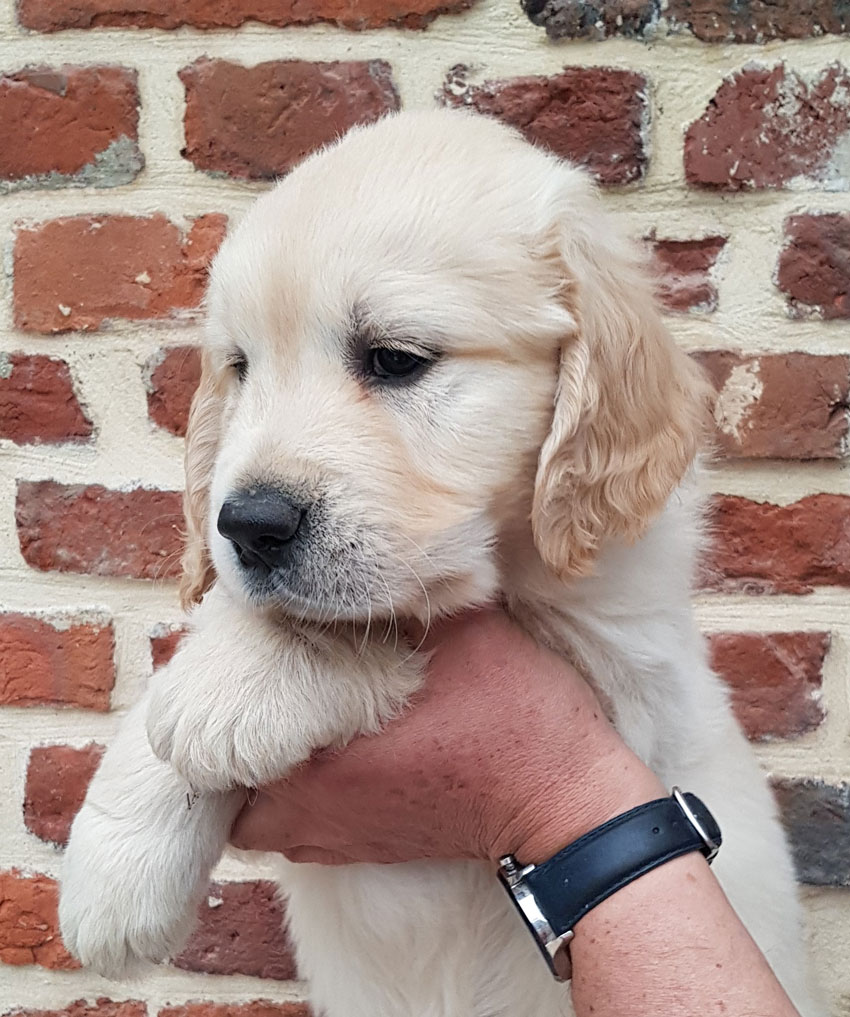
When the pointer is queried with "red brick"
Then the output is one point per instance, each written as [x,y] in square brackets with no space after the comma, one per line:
[259,122]
[164,643]
[685,267]
[759,20]
[594,116]
[775,678]
[759,547]
[767,127]
[38,402]
[709,20]
[74,528]
[77,273]
[102,1007]
[55,663]
[172,377]
[780,406]
[55,15]
[57,779]
[257,1008]
[813,267]
[240,931]
[65,126]
[29,923]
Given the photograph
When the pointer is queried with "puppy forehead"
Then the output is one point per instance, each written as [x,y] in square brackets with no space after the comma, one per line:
[397,221]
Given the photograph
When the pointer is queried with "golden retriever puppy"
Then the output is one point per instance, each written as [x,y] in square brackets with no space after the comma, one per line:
[434,375]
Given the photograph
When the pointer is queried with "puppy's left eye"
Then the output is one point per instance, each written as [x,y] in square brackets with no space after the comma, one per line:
[386,362]
[238,362]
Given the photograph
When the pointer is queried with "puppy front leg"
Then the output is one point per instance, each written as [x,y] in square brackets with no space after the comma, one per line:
[248,696]
[139,857]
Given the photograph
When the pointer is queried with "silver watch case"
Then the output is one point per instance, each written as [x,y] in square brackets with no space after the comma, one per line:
[554,948]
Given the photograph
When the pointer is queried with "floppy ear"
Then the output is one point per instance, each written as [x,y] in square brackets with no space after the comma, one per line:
[202,437]
[630,406]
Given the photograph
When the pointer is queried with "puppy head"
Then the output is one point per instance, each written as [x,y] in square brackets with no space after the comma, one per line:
[423,337]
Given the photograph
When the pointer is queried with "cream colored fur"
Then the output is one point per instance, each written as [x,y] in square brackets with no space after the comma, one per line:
[546,459]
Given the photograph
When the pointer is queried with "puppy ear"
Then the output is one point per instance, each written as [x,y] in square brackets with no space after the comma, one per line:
[630,406]
[202,438]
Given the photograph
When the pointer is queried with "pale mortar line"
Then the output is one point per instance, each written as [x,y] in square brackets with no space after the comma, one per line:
[37,987]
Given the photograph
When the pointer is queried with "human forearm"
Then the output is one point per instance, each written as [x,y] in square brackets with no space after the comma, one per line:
[670,944]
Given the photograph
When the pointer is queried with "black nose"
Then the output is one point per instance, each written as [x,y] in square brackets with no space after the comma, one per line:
[260,524]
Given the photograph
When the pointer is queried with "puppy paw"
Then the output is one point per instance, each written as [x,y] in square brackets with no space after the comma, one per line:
[211,746]
[115,915]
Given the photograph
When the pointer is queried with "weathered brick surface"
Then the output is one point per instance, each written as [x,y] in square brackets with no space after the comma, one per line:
[240,931]
[55,662]
[709,20]
[101,1007]
[817,816]
[685,272]
[78,528]
[759,20]
[172,376]
[38,402]
[759,547]
[259,122]
[814,265]
[595,116]
[57,779]
[164,642]
[775,678]
[54,15]
[29,927]
[257,1008]
[780,406]
[77,273]
[767,127]
[69,126]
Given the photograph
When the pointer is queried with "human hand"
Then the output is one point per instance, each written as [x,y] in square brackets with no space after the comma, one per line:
[506,750]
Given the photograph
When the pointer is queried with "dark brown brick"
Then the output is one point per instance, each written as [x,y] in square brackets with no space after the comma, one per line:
[74,528]
[240,931]
[259,122]
[37,401]
[594,116]
[759,547]
[101,1007]
[164,642]
[55,15]
[814,266]
[780,406]
[57,779]
[775,678]
[257,1008]
[172,377]
[767,127]
[685,272]
[709,20]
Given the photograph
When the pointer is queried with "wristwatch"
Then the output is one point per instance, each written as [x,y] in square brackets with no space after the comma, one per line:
[553,896]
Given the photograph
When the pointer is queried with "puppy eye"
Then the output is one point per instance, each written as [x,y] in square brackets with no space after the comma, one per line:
[239,363]
[388,363]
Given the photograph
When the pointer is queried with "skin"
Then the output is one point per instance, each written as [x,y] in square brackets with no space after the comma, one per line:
[508,751]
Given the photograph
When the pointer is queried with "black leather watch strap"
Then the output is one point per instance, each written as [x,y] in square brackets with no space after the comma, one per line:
[589,870]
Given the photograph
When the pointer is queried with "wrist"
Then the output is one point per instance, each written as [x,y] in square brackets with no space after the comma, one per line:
[571,802]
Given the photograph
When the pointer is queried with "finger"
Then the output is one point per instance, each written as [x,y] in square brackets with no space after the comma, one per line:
[316,856]
[261,826]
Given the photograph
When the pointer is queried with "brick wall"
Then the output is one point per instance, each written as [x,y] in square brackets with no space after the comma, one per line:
[129,134]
